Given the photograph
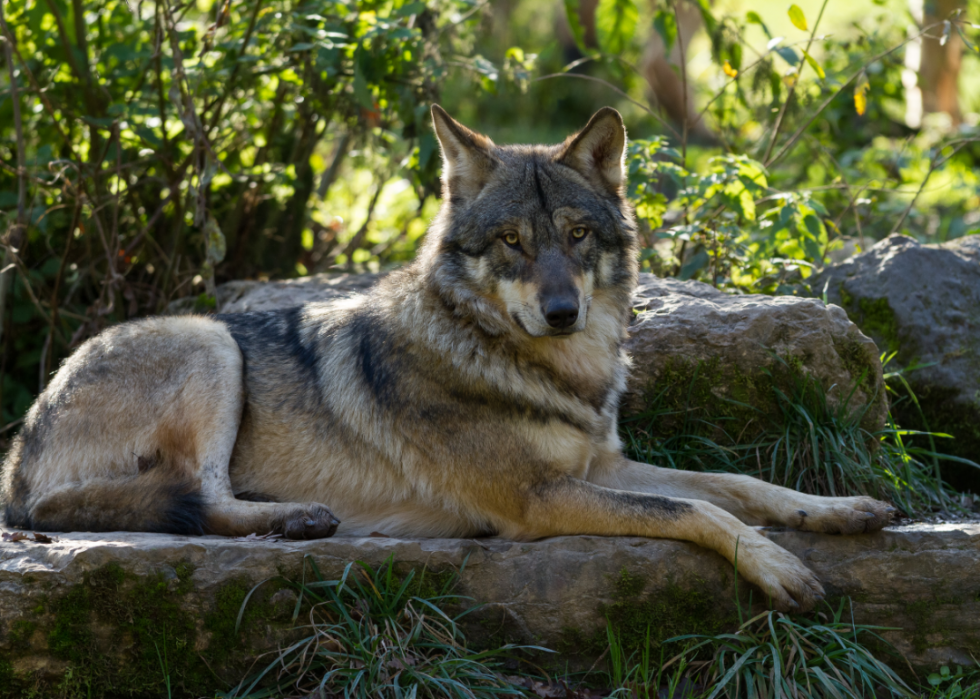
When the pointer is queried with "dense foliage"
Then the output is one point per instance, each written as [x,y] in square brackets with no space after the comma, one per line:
[168,144]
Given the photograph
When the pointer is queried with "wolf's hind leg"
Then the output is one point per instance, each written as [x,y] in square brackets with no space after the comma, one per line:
[752,500]
[136,432]
[229,516]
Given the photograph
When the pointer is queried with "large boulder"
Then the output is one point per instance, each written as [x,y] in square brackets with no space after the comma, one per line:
[690,343]
[116,614]
[698,351]
[923,302]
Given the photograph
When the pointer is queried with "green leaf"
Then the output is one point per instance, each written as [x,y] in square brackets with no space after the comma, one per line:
[361,90]
[427,146]
[747,204]
[788,55]
[812,224]
[401,33]
[797,17]
[666,26]
[572,13]
[754,18]
[615,22]
[412,8]
[813,64]
[735,56]
[709,19]
[486,68]
[104,122]
[813,251]
[694,265]
[818,207]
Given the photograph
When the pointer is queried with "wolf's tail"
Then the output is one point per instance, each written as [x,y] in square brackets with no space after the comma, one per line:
[153,501]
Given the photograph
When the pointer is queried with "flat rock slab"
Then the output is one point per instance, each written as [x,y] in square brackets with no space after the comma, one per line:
[924,580]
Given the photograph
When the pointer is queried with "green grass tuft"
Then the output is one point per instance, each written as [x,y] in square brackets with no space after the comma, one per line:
[810,443]
[773,655]
[369,637]
[768,656]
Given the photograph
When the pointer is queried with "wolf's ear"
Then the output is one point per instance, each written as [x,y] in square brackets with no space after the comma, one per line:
[467,162]
[598,150]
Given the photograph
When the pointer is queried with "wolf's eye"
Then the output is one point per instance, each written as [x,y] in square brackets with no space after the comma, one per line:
[512,239]
[579,232]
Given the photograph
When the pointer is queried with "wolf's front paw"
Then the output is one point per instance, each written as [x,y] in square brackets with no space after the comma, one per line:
[790,585]
[856,515]
[310,521]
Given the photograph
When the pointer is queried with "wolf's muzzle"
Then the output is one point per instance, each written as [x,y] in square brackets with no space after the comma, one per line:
[561,312]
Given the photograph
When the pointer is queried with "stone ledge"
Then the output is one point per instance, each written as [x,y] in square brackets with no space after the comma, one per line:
[922,579]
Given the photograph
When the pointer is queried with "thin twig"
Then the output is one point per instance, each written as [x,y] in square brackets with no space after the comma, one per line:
[848,190]
[55,117]
[328,177]
[358,238]
[934,165]
[684,125]
[65,41]
[792,88]
[25,277]
[53,326]
[803,127]
[229,86]
[16,231]
[11,425]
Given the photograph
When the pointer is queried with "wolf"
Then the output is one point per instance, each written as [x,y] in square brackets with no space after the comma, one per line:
[473,392]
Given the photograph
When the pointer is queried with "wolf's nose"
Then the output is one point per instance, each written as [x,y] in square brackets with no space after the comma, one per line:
[561,313]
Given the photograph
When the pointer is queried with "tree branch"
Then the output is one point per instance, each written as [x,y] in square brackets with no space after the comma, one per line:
[16,231]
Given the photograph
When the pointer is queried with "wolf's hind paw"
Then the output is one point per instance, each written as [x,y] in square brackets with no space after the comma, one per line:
[311,521]
[856,515]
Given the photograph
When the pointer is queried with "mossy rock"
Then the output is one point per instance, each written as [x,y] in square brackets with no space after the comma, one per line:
[703,357]
[116,633]
[921,303]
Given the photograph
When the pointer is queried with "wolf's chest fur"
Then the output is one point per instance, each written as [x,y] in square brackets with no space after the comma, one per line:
[345,399]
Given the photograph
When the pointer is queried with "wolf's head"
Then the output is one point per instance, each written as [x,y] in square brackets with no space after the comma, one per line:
[530,237]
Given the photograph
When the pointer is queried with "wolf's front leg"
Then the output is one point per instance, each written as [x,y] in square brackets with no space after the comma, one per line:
[568,506]
[751,500]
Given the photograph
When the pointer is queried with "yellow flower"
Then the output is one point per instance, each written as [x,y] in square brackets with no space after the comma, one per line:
[861,97]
